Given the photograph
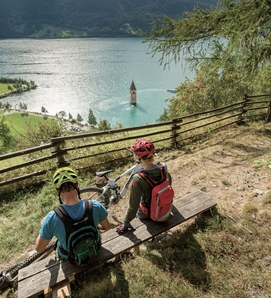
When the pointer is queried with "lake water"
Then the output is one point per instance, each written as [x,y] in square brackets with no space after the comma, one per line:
[76,75]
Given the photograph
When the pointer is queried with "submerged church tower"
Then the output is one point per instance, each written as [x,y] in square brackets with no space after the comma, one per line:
[133,94]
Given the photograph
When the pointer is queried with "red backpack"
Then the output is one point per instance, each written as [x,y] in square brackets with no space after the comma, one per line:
[161,197]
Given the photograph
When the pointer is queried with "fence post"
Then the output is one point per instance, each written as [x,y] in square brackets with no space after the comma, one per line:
[240,120]
[268,114]
[58,145]
[174,133]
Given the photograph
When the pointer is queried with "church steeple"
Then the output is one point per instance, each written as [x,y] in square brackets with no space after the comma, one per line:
[133,94]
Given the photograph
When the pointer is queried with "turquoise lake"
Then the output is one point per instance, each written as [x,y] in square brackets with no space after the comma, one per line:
[75,75]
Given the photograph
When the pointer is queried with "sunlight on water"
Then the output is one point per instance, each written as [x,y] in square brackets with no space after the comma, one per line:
[76,75]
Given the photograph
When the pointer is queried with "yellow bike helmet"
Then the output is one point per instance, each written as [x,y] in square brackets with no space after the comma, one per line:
[64,175]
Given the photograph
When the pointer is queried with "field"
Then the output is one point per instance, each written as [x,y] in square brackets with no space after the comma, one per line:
[3,88]
[19,122]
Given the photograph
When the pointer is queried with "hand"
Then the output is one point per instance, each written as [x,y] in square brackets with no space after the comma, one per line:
[124,227]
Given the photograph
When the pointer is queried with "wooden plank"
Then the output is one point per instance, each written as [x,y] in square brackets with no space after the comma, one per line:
[48,272]
[190,205]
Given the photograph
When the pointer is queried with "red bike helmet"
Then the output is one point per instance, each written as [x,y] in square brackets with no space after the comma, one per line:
[143,148]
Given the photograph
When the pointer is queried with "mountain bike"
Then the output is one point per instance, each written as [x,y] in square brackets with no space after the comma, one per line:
[9,277]
[111,192]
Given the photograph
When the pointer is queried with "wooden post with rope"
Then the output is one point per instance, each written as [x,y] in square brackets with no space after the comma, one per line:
[58,145]
[174,133]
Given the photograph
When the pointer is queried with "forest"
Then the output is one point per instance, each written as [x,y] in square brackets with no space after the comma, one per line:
[87,18]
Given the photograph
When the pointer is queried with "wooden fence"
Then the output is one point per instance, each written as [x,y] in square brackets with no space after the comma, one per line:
[103,149]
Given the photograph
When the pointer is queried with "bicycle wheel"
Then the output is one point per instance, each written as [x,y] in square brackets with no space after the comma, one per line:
[95,193]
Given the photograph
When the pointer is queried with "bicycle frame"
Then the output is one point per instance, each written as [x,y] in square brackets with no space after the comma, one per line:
[114,187]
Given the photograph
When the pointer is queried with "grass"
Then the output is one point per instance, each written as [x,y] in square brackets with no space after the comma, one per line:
[4,88]
[262,163]
[267,198]
[249,208]
[212,257]
[19,122]
[225,182]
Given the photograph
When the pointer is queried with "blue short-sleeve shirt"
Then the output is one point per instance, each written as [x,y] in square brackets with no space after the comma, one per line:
[53,226]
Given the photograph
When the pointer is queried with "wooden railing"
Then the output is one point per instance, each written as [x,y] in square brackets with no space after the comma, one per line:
[100,150]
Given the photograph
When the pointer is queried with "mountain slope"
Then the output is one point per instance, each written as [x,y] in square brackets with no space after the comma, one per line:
[87,18]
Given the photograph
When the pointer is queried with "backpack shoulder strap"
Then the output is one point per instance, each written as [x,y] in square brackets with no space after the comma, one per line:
[65,218]
[89,212]
[162,171]
[150,180]
[146,177]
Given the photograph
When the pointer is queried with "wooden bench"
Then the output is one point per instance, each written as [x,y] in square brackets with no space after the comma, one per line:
[51,273]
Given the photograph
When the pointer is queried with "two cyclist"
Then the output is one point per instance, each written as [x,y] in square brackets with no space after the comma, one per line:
[140,193]
[65,181]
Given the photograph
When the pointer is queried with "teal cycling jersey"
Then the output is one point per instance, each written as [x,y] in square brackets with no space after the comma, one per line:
[54,227]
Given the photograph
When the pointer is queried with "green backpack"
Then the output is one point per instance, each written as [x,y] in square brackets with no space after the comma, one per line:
[82,237]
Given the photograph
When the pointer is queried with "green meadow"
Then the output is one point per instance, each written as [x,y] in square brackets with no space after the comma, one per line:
[19,122]
[3,88]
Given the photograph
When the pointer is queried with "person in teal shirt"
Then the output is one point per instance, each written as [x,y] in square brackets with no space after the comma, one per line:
[65,181]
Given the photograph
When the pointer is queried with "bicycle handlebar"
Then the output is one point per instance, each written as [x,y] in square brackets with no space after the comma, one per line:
[128,148]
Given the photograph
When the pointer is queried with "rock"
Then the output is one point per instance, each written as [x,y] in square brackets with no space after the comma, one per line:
[266,261]
[256,294]
[258,191]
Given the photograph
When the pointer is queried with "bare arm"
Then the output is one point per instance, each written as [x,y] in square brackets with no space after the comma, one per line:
[169,178]
[105,224]
[41,244]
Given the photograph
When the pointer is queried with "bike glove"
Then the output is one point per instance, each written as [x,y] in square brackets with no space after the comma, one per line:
[124,227]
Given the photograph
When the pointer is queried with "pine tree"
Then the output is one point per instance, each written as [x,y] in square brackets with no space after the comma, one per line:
[79,118]
[104,125]
[239,29]
[6,138]
[43,110]
[91,118]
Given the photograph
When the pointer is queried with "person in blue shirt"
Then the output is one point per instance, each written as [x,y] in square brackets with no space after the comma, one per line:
[65,181]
